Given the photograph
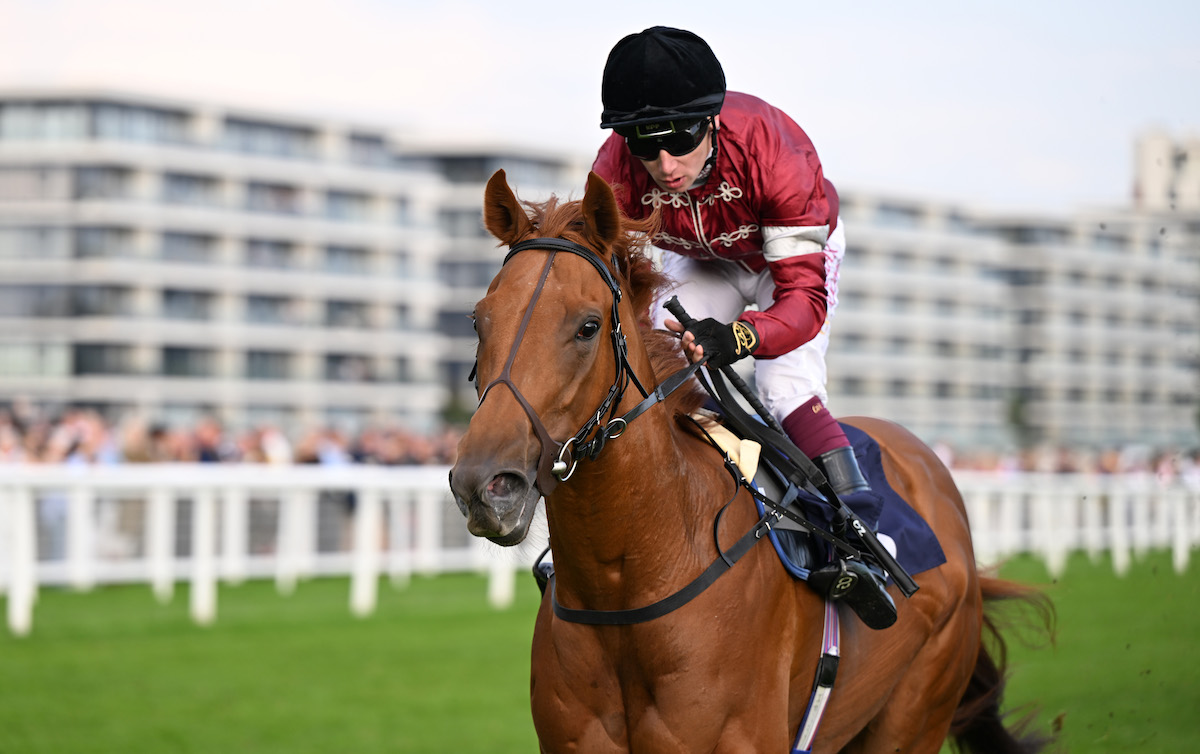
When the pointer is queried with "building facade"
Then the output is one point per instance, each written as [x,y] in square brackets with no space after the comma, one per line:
[179,260]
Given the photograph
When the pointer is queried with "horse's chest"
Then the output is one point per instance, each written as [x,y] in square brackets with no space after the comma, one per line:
[648,698]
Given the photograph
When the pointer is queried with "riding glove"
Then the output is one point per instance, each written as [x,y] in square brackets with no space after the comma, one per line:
[724,343]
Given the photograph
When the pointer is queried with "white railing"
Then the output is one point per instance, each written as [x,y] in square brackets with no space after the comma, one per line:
[159,524]
[1053,515]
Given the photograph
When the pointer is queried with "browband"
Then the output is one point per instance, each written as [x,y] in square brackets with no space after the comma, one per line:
[562,244]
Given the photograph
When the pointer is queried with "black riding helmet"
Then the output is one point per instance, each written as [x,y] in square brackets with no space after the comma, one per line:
[660,74]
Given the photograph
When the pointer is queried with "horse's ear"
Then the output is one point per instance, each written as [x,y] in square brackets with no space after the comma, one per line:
[601,216]
[503,215]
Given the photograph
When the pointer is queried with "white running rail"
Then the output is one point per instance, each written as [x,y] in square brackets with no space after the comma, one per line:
[162,523]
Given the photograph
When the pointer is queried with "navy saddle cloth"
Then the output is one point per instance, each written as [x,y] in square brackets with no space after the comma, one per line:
[917,548]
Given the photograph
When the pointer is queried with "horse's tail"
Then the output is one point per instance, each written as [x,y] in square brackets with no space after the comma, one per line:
[978,725]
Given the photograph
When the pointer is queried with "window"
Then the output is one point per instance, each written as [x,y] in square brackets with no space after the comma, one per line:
[43,121]
[35,301]
[945,306]
[340,367]
[193,248]
[194,305]
[852,342]
[183,188]
[370,150]
[101,301]
[276,198]
[853,386]
[272,310]
[271,254]
[34,360]
[403,211]
[188,362]
[101,358]
[101,183]
[256,137]
[896,216]
[402,264]
[345,314]
[899,388]
[268,365]
[29,183]
[468,274]
[133,123]
[1110,242]
[347,260]
[347,205]
[102,242]
[461,223]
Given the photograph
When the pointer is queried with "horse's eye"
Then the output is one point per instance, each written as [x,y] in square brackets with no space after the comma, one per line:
[588,331]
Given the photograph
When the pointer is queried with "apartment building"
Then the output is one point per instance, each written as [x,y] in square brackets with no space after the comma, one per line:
[178,260]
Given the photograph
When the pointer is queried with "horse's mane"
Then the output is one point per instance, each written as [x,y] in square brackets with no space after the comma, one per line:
[639,276]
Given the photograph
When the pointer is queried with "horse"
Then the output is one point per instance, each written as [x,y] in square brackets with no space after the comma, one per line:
[638,503]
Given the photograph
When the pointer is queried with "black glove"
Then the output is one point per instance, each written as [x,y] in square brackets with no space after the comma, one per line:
[724,343]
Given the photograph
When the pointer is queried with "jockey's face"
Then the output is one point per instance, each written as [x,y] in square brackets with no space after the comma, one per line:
[677,174]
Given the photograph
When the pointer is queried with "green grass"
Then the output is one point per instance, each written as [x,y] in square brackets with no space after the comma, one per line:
[1124,674]
[435,670]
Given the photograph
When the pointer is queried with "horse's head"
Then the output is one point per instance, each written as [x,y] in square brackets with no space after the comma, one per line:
[549,347]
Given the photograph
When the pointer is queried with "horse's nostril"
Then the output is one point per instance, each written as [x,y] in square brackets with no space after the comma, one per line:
[505,486]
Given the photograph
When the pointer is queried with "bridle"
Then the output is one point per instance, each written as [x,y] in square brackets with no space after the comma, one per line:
[559,459]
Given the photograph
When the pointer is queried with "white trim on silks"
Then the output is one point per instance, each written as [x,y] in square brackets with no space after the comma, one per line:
[830,651]
[780,243]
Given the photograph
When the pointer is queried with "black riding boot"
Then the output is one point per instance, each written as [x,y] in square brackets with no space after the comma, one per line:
[861,584]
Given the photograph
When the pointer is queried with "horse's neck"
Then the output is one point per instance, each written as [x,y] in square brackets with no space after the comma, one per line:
[642,510]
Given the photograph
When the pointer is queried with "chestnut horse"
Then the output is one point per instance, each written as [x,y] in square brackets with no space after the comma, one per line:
[634,505]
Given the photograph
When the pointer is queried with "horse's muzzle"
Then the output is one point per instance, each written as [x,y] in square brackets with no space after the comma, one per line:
[499,505]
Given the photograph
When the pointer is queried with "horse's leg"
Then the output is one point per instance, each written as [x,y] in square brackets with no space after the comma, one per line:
[929,671]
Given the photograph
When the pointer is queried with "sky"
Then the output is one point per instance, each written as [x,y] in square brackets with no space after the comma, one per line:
[1026,105]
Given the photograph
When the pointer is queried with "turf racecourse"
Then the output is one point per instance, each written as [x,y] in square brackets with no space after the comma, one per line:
[435,670]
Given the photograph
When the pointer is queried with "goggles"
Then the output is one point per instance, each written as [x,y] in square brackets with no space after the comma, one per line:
[675,137]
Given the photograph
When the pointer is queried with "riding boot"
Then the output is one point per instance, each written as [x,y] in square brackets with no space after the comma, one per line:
[861,584]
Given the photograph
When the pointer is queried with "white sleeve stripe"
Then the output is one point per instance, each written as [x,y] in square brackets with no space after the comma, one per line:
[781,243]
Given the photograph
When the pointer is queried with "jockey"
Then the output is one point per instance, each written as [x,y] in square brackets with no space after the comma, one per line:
[752,241]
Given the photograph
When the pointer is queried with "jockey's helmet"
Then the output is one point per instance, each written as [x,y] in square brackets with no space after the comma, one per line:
[660,74]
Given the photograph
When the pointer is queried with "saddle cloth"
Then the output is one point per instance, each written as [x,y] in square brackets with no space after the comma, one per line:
[916,546]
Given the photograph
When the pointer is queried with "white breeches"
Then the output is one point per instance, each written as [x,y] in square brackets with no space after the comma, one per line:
[724,289]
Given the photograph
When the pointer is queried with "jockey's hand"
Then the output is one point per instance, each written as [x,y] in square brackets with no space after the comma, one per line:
[722,343]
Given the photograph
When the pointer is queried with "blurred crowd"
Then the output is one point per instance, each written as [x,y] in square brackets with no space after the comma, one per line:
[1167,464]
[83,436]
